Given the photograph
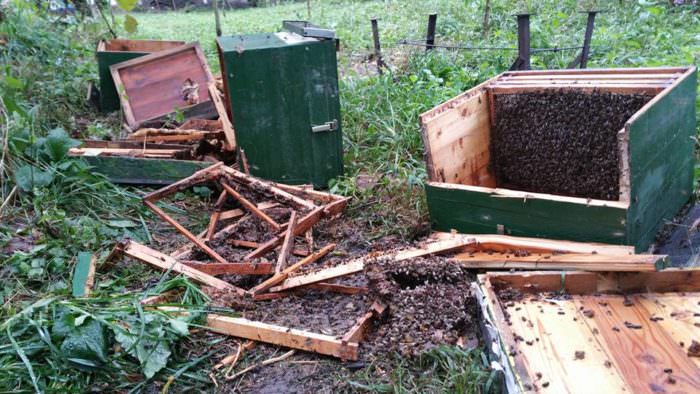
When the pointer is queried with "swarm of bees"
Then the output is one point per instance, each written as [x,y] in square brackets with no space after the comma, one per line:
[561,142]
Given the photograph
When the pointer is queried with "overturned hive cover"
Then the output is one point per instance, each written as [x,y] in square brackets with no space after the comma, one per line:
[587,155]
[163,83]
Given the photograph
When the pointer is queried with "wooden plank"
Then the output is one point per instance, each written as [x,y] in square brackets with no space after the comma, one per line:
[150,86]
[579,77]
[538,245]
[166,263]
[84,274]
[612,88]
[321,276]
[441,246]
[676,313]
[250,206]
[641,354]
[223,117]
[211,228]
[194,136]
[281,276]
[287,244]
[357,332]
[304,225]
[549,333]
[612,71]
[254,245]
[457,142]
[569,261]
[234,213]
[257,184]
[164,153]
[282,336]
[231,268]
[200,176]
[587,82]
[193,238]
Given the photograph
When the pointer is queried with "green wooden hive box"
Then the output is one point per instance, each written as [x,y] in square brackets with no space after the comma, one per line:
[282,91]
[653,152]
[115,51]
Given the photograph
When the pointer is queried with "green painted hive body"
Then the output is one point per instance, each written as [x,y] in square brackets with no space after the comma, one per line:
[655,147]
[115,51]
[279,86]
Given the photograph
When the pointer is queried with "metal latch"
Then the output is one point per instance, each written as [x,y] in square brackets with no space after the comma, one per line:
[328,126]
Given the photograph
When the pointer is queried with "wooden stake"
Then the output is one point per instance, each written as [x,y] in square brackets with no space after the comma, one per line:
[250,206]
[287,245]
[279,277]
[211,252]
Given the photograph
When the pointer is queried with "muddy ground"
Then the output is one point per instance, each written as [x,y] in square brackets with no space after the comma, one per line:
[561,142]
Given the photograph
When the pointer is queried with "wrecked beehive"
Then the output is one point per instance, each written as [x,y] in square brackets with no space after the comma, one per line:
[588,155]
[627,332]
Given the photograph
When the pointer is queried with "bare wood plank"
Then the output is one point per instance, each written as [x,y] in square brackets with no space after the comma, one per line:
[539,244]
[254,245]
[193,238]
[216,214]
[202,135]
[250,206]
[200,176]
[231,268]
[588,71]
[571,282]
[234,213]
[619,88]
[165,263]
[570,261]
[223,117]
[287,245]
[323,275]
[282,336]
[641,354]
[304,225]
[357,331]
[578,77]
[279,277]
[441,246]
[258,184]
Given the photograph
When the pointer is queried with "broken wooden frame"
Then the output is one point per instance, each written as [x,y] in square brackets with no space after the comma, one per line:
[345,348]
[150,86]
[624,331]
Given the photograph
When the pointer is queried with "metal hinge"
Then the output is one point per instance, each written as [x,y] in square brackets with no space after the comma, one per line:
[328,126]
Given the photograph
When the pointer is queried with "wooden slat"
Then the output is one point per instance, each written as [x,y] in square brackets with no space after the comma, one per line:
[304,225]
[250,206]
[336,288]
[84,274]
[203,175]
[257,184]
[231,268]
[281,276]
[357,332]
[282,336]
[612,88]
[234,213]
[538,244]
[585,82]
[320,276]
[166,263]
[641,354]
[193,238]
[287,244]
[569,261]
[254,245]
[223,117]
[214,219]
[589,71]
[579,77]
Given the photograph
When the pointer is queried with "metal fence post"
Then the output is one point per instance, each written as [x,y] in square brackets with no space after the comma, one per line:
[377,46]
[523,60]
[430,37]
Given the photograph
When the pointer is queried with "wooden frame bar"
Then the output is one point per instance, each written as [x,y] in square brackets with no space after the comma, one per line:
[250,206]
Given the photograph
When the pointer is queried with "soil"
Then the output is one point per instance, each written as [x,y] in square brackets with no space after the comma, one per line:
[561,142]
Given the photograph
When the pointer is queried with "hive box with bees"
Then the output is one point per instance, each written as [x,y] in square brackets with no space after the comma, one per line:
[598,155]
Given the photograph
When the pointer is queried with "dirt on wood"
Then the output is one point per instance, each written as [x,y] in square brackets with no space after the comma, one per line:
[561,142]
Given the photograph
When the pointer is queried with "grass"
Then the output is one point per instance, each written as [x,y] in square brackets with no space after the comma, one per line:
[60,208]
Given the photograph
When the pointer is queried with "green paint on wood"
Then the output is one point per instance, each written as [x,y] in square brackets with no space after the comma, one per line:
[140,171]
[480,213]
[81,273]
[278,90]
[662,158]
[109,98]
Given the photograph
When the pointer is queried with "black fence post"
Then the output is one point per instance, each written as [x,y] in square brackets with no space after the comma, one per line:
[523,60]
[430,36]
[581,59]
[377,47]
